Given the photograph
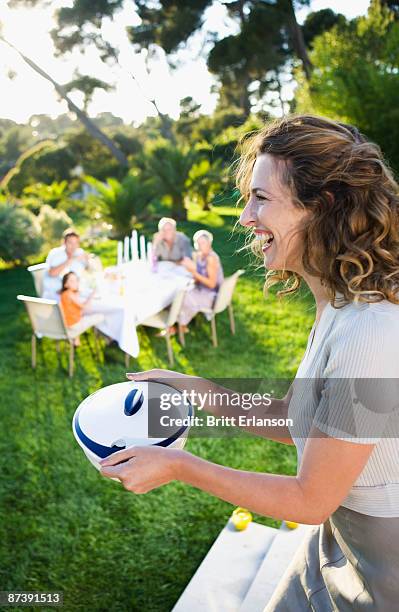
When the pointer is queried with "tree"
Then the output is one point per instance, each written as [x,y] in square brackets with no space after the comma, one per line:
[170,166]
[123,203]
[38,194]
[13,141]
[393,5]
[87,85]
[81,115]
[356,77]
[53,223]
[205,181]
[268,37]
[318,22]
[267,34]
[20,234]
[27,155]
[80,25]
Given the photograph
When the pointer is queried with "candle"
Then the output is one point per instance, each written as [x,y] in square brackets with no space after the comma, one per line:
[149,252]
[135,245]
[142,248]
[120,254]
[126,249]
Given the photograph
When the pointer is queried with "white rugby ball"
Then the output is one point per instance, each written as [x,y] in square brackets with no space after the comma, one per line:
[128,414]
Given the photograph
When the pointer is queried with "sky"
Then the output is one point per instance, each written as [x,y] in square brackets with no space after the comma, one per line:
[28,93]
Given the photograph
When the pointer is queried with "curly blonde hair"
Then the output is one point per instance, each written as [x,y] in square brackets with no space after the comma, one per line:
[351,241]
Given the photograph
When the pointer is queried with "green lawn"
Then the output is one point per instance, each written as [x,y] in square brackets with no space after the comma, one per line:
[63,527]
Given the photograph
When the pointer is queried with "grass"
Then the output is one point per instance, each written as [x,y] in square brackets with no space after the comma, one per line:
[62,527]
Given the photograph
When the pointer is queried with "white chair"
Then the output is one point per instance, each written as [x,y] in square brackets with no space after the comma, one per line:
[223,300]
[165,319]
[48,321]
[37,272]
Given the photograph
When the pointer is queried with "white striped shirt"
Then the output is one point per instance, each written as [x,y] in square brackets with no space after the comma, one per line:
[347,386]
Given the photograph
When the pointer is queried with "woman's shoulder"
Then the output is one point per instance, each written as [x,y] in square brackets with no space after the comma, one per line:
[214,256]
[367,334]
[383,315]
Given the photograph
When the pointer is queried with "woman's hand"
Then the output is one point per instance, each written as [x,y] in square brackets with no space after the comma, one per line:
[188,263]
[144,467]
[155,374]
[177,380]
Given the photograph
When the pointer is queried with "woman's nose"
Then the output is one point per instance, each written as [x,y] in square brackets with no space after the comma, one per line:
[248,217]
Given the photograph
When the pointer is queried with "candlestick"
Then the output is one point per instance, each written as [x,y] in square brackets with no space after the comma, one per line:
[119,254]
[135,245]
[142,248]
[126,249]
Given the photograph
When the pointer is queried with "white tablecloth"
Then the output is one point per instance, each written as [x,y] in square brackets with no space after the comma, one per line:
[141,293]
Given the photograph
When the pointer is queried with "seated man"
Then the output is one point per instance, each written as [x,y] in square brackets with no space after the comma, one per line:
[170,245]
[67,258]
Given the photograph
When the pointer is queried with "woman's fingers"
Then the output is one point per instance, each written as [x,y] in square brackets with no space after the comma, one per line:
[146,375]
[111,471]
[122,455]
[137,375]
[153,374]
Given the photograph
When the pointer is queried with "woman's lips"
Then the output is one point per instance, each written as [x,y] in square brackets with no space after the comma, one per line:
[266,236]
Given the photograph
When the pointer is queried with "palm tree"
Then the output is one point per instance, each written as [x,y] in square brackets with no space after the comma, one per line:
[170,166]
[125,202]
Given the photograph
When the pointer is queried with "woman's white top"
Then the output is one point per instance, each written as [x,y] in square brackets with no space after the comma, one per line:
[347,386]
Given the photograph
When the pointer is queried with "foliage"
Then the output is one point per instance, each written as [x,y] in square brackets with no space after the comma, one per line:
[249,56]
[34,196]
[267,40]
[205,181]
[125,202]
[20,234]
[93,156]
[170,166]
[320,21]
[14,139]
[87,85]
[11,177]
[267,33]
[53,223]
[356,77]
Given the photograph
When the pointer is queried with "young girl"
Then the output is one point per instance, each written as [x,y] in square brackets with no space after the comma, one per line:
[73,307]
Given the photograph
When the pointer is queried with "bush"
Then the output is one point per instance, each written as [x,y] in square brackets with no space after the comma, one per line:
[20,234]
[123,203]
[53,222]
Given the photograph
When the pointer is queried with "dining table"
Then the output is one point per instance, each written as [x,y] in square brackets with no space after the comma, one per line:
[130,293]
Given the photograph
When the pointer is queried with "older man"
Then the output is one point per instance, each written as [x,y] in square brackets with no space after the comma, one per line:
[169,244]
[67,258]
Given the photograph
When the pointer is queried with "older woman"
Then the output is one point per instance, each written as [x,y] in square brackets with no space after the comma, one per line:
[325,210]
[208,275]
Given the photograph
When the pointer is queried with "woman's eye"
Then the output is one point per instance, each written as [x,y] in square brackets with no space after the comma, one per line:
[261,197]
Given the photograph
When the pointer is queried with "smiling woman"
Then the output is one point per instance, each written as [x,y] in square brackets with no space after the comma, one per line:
[325,207]
[330,189]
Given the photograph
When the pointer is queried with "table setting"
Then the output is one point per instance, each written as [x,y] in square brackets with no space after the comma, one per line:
[136,288]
